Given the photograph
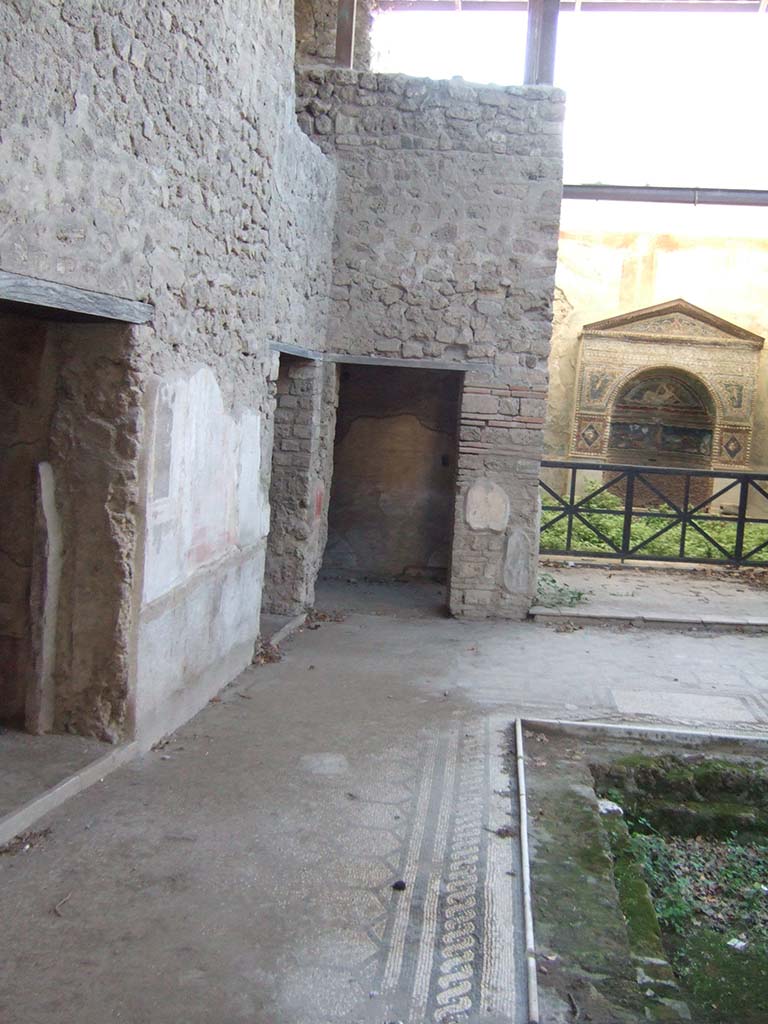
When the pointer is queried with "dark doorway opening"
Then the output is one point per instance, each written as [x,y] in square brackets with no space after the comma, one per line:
[392,500]
[27,401]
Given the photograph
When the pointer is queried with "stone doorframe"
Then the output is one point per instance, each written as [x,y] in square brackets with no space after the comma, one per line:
[496,520]
[306,399]
[73,397]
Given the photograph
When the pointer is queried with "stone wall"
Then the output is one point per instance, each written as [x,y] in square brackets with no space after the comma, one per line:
[151,151]
[394,476]
[496,529]
[316,31]
[95,459]
[302,464]
[445,248]
[448,201]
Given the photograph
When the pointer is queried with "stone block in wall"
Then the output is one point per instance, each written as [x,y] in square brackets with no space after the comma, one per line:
[486,506]
[481,404]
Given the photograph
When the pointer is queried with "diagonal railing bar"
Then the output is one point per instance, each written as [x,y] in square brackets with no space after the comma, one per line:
[713,497]
[558,497]
[585,498]
[760,547]
[664,497]
[561,504]
[729,555]
[570,509]
[598,533]
[593,494]
[759,489]
[676,521]
[552,522]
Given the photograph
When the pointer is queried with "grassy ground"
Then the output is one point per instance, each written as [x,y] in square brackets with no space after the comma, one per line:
[584,539]
[709,885]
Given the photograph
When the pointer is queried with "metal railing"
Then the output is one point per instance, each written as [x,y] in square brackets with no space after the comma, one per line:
[672,525]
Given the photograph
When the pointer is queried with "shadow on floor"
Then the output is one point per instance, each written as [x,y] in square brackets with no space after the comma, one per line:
[417,599]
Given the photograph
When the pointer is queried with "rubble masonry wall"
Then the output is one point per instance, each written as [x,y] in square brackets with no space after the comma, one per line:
[445,248]
[151,151]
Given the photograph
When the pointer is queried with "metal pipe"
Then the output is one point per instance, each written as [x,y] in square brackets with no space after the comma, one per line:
[345,33]
[525,862]
[541,42]
[657,194]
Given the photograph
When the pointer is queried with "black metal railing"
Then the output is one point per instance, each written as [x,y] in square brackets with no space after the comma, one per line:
[656,513]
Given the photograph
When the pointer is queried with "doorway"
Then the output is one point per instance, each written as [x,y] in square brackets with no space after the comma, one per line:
[69,423]
[391,512]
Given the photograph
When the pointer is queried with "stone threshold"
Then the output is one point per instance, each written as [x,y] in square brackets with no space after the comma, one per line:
[276,629]
[661,620]
[18,821]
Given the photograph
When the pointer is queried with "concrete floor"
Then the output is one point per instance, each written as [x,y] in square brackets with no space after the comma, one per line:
[694,594]
[244,871]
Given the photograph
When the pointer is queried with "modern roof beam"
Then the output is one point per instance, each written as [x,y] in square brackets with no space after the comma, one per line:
[587,6]
[541,42]
[659,194]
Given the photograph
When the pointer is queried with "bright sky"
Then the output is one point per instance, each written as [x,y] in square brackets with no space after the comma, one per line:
[652,99]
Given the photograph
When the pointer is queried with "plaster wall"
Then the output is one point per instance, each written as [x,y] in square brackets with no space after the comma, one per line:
[206,527]
[444,248]
[152,151]
[616,257]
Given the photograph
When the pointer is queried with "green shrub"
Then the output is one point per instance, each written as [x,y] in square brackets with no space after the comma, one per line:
[584,540]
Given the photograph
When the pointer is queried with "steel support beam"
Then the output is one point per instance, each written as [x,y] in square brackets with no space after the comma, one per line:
[613,6]
[345,33]
[541,42]
[656,194]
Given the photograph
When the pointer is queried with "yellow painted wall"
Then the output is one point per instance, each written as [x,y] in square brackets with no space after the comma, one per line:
[616,257]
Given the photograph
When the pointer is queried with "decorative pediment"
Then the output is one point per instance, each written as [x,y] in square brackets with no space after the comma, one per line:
[674,321]
[672,373]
